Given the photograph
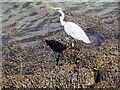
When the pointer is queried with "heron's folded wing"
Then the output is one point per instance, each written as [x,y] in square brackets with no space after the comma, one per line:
[76,32]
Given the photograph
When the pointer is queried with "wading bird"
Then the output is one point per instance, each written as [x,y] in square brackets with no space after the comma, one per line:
[71,28]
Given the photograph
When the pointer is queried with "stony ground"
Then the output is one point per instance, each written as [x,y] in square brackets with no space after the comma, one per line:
[60,61]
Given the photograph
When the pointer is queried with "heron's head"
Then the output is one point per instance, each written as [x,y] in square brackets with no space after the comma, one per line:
[58,9]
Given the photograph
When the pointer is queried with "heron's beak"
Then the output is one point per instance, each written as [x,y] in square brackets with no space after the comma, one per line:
[53,8]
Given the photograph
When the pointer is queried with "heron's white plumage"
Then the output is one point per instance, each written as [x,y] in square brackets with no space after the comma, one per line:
[76,32]
[72,29]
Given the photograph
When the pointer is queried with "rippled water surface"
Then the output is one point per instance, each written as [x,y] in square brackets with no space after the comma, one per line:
[38,53]
[35,19]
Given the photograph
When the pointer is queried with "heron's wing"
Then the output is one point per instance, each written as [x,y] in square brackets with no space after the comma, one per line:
[76,32]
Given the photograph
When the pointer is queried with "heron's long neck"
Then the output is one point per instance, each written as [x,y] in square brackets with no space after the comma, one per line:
[62,18]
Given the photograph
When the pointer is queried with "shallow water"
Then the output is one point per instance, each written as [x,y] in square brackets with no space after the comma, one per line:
[44,52]
[35,19]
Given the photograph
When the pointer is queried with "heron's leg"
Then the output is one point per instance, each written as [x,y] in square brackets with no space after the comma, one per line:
[76,44]
[73,43]
[70,43]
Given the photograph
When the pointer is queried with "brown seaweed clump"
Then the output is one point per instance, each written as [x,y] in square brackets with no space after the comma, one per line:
[35,67]
[60,62]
